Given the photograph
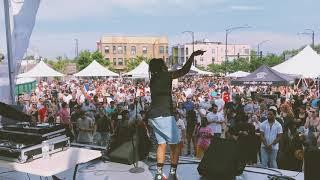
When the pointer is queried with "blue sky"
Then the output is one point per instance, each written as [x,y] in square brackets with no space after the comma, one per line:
[59,22]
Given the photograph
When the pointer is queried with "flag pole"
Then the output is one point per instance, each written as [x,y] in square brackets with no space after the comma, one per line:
[9,49]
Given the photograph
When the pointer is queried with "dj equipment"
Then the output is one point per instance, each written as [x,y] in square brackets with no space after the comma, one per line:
[222,160]
[311,163]
[23,141]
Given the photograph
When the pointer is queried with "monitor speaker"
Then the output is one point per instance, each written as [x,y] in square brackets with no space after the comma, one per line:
[311,163]
[222,160]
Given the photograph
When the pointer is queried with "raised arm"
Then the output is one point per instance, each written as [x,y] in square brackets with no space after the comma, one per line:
[186,68]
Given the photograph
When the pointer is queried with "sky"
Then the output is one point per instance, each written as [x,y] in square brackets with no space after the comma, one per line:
[59,22]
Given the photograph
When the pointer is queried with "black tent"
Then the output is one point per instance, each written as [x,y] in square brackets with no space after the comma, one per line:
[264,76]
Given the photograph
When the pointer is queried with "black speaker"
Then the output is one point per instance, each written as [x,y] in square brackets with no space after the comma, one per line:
[222,160]
[124,153]
[128,146]
[311,163]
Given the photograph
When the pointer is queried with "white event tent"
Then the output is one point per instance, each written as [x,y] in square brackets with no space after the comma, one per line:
[305,64]
[141,71]
[41,70]
[238,74]
[94,69]
[200,72]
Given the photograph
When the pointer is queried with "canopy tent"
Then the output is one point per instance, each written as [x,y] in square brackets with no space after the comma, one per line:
[141,71]
[264,75]
[41,70]
[94,69]
[177,67]
[306,64]
[200,72]
[25,85]
[238,74]
[193,70]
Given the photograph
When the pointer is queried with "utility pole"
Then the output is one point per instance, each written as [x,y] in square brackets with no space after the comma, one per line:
[259,44]
[228,31]
[311,33]
[76,47]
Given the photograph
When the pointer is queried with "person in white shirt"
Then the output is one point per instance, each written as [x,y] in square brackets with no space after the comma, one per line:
[271,131]
[67,97]
[205,104]
[182,131]
[219,102]
[215,121]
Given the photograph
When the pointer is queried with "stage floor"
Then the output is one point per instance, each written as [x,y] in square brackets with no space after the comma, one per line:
[98,170]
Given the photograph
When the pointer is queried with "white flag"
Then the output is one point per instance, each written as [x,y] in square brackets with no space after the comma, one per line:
[23,15]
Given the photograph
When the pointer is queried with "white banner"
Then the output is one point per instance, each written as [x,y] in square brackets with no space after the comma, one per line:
[22,20]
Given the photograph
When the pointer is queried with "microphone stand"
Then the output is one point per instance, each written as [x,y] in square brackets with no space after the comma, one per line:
[136,169]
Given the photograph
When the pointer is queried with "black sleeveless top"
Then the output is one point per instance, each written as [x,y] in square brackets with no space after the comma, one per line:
[161,100]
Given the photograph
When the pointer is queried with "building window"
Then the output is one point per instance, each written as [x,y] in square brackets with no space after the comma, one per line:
[114,49]
[201,59]
[120,61]
[247,51]
[133,50]
[120,50]
[213,59]
[125,49]
[187,51]
[213,51]
[144,50]
[161,49]
[125,61]
[107,59]
[167,50]
[114,61]
[106,50]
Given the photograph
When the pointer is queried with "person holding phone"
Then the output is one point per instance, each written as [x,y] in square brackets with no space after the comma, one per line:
[161,113]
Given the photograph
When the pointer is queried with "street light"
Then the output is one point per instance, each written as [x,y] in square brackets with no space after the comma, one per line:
[259,44]
[76,50]
[228,31]
[192,35]
[310,32]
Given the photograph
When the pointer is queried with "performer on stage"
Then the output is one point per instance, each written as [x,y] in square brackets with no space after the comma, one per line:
[161,114]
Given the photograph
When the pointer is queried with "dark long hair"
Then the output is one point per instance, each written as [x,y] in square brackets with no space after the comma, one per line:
[156,66]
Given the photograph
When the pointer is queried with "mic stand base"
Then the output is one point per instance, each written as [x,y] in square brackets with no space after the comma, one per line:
[136,170]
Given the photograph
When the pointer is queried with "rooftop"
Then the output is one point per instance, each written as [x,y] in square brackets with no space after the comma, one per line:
[135,39]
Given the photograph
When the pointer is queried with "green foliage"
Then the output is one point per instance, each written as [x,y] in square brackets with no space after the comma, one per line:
[59,65]
[86,57]
[247,65]
[134,62]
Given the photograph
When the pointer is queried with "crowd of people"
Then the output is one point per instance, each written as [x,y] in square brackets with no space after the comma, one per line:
[278,122]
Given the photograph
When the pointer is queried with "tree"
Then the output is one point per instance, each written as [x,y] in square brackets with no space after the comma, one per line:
[216,68]
[99,58]
[86,57]
[134,62]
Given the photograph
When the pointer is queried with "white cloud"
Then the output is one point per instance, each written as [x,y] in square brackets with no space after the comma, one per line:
[75,9]
[245,8]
